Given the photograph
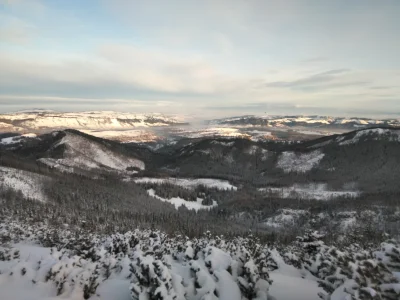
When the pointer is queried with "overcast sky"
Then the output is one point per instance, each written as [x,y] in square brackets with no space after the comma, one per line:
[206,58]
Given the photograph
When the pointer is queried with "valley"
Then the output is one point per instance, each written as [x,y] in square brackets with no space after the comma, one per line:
[199,150]
[201,193]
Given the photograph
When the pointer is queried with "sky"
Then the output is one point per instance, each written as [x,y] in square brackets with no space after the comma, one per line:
[208,58]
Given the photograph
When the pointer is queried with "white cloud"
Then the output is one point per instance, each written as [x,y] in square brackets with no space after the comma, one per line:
[14,30]
[25,6]
[221,53]
[120,70]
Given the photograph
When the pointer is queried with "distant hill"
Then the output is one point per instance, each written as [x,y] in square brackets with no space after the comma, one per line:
[306,121]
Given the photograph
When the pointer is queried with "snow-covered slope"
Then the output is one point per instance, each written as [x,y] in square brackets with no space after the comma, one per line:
[374,134]
[81,152]
[95,120]
[16,139]
[28,183]
[299,162]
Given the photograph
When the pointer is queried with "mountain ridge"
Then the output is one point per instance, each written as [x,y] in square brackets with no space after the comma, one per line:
[365,157]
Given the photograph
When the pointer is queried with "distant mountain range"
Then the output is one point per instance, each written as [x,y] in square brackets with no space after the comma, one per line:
[158,130]
[306,121]
[35,120]
[38,119]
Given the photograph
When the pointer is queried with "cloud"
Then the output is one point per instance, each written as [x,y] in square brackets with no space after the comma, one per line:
[382,87]
[27,7]
[190,83]
[319,59]
[16,102]
[237,55]
[115,67]
[320,79]
[15,30]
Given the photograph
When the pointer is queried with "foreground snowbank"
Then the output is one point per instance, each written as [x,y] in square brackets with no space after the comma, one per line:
[37,262]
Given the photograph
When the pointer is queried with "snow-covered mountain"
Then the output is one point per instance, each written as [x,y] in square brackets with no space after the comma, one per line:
[305,121]
[72,151]
[91,120]
[81,152]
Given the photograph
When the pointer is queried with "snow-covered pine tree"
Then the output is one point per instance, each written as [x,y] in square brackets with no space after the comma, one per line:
[151,279]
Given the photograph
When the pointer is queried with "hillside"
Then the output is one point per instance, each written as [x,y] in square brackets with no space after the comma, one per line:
[297,205]
[359,161]
[75,152]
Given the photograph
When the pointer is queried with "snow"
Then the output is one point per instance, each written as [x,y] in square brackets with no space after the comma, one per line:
[89,120]
[218,259]
[279,121]
[178,202]
[147,264]
[375,134]
[289,284]
[114,289]
[10,140]
[285,217]
[19,287]
[252,150]
[263,133]
[28,183]
[16,139]
[229,290]
[215,132]
[299,162]
[309,132]
[310,191]
[83,153]
[189,183]
[226,144]
[287,287]
[126,136]
[5,126]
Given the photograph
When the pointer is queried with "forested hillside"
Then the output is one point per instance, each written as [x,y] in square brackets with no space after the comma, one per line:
[317,214]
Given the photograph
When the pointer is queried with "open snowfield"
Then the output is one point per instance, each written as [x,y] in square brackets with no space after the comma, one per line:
[309,191]
[29,184]
[178,202]
[189,183]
